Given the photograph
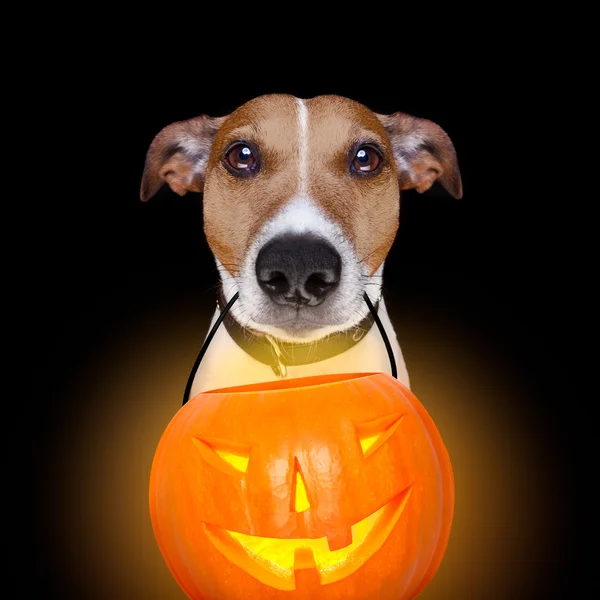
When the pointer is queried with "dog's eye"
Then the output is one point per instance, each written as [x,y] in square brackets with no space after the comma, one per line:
[366,160]
[241,158]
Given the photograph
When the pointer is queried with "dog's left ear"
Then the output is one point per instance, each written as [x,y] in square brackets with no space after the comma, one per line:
[423,153]
[178,156]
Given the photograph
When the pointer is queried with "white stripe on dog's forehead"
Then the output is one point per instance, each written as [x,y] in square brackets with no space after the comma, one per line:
[301,213]
[303,145]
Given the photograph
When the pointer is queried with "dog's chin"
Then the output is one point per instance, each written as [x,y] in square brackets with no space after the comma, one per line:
[299,328]
[292,325]
[292,328]
[297,332]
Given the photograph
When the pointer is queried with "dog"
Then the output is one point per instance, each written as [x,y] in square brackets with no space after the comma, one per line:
[300,209]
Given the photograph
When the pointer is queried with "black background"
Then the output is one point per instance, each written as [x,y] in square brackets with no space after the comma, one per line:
[492,262]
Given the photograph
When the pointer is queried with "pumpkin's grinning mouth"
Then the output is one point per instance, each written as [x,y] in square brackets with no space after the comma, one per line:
[279,562]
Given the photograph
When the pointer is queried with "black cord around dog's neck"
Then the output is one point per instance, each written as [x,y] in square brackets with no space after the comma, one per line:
[209,337]
[386,341]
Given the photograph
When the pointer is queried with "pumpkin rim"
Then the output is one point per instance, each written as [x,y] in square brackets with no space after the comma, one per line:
[289,384]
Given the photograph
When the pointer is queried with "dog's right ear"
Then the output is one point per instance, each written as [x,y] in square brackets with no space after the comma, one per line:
[178,156]
[423,153]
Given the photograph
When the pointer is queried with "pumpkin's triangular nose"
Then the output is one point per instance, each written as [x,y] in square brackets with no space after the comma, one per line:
[300,501]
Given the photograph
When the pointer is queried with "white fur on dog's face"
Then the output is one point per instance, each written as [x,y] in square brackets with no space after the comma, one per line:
[303,184]
[344,309]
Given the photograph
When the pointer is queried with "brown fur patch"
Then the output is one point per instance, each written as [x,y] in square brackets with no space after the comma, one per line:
[235,208]
[366,207]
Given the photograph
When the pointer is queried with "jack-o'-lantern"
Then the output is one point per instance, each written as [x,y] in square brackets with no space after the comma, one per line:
[335,486]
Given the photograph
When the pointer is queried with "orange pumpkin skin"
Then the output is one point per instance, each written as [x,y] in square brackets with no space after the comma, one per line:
[303,471]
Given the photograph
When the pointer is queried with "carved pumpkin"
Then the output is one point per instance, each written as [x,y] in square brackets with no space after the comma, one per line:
[335,486]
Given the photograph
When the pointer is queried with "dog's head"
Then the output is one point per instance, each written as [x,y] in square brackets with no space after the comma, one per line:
[301,202]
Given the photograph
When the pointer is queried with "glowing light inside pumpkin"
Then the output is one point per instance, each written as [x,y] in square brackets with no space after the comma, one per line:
[272,560]
[301,502]
[373,434]
[366,443]
[237,461]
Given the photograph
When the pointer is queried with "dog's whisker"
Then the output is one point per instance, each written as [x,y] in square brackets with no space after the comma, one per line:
[241,317]
[367,256]
[245,312]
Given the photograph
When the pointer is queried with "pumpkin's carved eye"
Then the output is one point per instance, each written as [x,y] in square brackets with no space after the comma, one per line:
[373,434]
[230,457]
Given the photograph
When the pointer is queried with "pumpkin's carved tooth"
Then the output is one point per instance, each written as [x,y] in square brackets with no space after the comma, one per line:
[306,574]
[341,539]
[304,559]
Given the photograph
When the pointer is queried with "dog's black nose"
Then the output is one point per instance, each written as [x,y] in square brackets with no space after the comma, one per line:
[298,269]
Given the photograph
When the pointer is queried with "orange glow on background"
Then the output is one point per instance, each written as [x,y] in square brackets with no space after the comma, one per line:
[98,539]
